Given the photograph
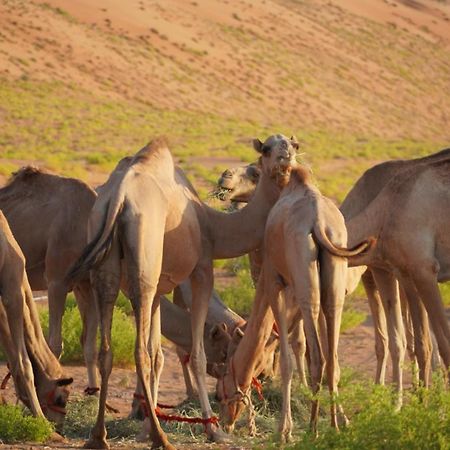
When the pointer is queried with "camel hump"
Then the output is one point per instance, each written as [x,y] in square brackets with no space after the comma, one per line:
[155,145]
[25,174]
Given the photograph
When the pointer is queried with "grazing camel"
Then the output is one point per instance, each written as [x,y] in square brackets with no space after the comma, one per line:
[241,184]
[304,230]
[37,374]
[176,326]
[149,217]
[51,245]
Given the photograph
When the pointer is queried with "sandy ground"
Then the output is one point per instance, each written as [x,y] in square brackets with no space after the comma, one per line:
[353,65]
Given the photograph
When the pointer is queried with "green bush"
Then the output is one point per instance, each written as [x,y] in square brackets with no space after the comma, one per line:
[16,426]
[422,423]
[123,335]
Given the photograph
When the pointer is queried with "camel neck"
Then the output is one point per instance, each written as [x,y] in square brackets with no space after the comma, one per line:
[242,231]
[251,350]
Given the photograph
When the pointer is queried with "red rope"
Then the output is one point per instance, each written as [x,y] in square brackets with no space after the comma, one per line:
[173,418]
[5,380]
[185,359]
[258,388]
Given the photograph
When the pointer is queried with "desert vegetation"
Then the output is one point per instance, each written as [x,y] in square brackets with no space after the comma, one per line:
[82,88]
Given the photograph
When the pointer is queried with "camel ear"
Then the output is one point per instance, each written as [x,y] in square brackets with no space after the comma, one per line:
[238,334]
[218,370]
[294,142]
[218,330]
[64,381]
[258,145]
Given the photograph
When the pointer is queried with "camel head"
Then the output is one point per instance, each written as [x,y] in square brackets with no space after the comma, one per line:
[53,395]
[217,345]
[278,157]
[232,398]
[238,184]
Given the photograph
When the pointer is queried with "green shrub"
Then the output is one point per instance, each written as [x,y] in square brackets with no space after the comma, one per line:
[123,335]
[422,423]
[16,426]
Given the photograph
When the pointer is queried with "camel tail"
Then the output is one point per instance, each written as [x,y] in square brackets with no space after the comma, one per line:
[97,250]
[323,240]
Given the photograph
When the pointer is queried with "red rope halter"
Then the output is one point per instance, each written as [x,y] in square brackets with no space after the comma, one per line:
[50,403]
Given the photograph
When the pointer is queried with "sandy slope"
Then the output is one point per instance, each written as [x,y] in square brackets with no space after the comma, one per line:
[375,66]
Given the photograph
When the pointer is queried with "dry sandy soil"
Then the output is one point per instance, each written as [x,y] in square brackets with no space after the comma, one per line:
[372,66]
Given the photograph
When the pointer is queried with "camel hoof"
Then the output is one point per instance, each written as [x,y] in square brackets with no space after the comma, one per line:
[219,437]
[285,437]
[56,437]
[164,445]
[96,444]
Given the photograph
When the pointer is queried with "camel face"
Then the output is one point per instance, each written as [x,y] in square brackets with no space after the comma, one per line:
[53,399]
[238,184]
[232,400]
[278,157]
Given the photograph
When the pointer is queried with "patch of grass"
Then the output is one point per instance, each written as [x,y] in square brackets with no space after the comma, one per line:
[239,296]
[123,335]
[15,426]
[423,422]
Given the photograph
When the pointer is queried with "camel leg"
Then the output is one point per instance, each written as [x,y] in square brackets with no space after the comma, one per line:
[20,366]
[57,293]
[279,311]
[202,283]
[379,325]
[332,289]
[302,256]
[105,284]
[191,392]
[182,356]
[388,286]
[424,278]
[298,344]
[155,349]
[86,305]
[422,338]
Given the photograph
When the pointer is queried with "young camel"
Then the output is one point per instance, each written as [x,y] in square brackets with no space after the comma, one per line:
[304,230]
[37,374]
[165,237]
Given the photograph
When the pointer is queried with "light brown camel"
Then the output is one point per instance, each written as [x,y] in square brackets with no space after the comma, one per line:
[37,374]
[237,186]
[150,214]
[54,242]
[304,231]
[385,310]
[237,182]
[48,216]
[410,244]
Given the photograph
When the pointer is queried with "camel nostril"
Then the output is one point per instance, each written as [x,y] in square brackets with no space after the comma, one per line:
[227,174]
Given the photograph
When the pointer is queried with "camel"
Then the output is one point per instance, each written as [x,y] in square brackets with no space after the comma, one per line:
[51,245]
[165,237]
[410,245]
[237,183]
[304,230]
[64,204]
[37,374]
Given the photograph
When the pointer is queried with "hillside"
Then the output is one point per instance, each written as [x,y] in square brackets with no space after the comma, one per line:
[82,83]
